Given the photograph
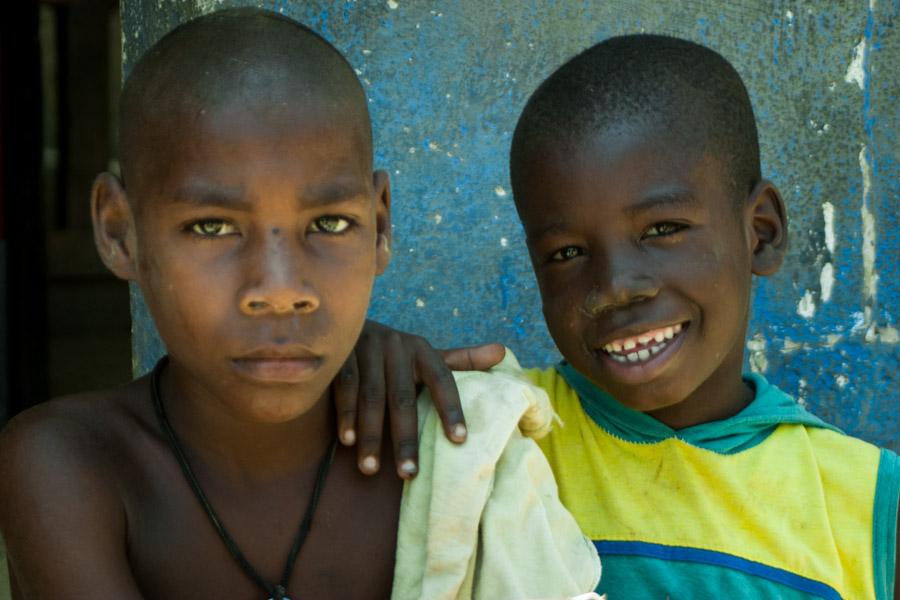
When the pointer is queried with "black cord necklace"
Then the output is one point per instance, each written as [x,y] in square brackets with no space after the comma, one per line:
[276,591]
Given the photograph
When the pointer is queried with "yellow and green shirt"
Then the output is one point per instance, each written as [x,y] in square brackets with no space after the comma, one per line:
[771,503]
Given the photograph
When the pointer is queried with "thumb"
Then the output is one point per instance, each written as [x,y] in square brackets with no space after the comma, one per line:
[474,358]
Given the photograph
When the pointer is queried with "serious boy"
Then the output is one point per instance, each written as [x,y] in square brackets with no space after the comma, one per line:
[251,219]
[636,175]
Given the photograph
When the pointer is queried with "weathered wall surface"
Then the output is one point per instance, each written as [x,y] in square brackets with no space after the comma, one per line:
[446,81]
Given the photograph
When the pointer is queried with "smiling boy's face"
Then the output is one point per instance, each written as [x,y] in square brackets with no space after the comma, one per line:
[257,242]
[644,262]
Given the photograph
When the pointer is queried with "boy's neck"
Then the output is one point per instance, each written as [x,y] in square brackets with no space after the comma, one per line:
[720,397]
[238,448]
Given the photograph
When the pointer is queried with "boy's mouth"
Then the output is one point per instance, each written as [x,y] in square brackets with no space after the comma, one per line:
[641,348]
[278,365]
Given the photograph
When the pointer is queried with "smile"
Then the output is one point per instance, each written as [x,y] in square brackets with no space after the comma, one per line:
[642,347]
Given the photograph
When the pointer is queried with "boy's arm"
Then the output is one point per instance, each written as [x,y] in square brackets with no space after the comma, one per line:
[61,516]
[386,367]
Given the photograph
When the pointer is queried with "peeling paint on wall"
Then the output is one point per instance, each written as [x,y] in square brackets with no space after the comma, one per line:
[826,281]
[855,72]
[828,215]
[870,276]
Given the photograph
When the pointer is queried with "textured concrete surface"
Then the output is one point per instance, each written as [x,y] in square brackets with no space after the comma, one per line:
[446,81]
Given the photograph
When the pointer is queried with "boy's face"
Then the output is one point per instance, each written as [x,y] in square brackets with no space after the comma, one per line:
[257,244]
[644,266]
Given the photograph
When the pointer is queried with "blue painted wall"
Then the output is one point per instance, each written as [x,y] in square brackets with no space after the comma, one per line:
[446,81]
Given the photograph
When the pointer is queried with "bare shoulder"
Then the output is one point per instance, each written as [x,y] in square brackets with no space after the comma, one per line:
[71,432]
[59,490]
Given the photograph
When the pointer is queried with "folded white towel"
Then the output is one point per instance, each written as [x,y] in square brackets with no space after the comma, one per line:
[483,519]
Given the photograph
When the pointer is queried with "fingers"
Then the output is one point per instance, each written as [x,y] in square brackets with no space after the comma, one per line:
[345,391]
[474,358]
[435,374]
[401,394]
[370,405]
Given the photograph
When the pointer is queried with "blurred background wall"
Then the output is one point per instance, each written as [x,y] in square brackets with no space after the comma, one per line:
[446,82]
[64,318]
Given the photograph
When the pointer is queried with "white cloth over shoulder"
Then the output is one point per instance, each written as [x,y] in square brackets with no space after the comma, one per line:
[483,519]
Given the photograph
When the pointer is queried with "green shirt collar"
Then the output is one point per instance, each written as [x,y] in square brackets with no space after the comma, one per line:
[770,407]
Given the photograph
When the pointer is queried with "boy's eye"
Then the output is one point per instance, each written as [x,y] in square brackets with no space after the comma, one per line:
[213,228]
[663,229]
[330,224]
[567,253]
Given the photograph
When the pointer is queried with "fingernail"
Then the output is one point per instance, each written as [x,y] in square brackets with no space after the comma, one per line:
[349,437]
[408,467]
[370,464]
[459,431]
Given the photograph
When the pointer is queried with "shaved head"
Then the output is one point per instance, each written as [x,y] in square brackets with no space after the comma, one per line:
[684,89]
[246,62]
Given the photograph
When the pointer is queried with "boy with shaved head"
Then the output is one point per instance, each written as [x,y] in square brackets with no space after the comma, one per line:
[251,219]
[636,175]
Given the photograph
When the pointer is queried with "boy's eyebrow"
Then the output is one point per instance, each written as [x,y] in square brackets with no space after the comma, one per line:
[547,230]
[333,193]
[670,198]
[202,194]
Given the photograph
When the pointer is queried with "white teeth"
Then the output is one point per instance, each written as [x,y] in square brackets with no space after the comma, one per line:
[619,349]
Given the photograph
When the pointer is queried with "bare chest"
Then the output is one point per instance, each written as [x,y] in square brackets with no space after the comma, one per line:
[176,552]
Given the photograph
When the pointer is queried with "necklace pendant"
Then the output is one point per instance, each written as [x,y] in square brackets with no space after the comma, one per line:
[279,593]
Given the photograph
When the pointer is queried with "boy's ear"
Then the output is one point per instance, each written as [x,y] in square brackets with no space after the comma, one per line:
[383,240]
[767,227]
[114,228]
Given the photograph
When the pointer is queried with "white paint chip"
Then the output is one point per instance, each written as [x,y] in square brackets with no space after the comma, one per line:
[504,242]
[393,4]
[757,346]
[420,303]
[889,335]
[855,72]
[806,308]
[841,381]
[870,276]
[828,214]
[455,312]
[500,191]
[826,281]
[438,218]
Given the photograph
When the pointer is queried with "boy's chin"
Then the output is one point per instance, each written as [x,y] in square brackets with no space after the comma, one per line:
[282,407]
[645,403]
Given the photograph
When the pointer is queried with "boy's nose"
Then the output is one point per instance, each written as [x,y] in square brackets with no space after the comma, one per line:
[276,285]
[618,290]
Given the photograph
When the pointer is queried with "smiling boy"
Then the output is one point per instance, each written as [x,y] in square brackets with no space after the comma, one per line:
[636,175]
[251,219]
[635,170]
